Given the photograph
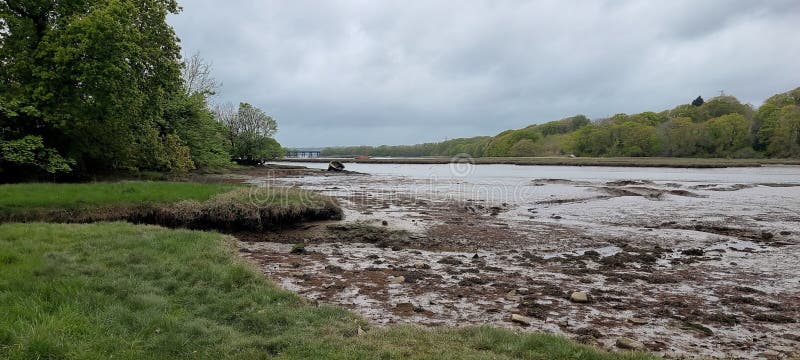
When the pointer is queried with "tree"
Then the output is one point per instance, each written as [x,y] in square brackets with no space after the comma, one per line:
[250,132]
[786,138]
[726,134]
[766,118]
[699,101]
[189,118]
[90,78]
[679,137]
[524,147]
[197,78]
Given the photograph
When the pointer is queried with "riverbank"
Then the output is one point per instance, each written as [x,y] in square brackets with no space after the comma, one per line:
[115,289]
[207,206]
[567,161]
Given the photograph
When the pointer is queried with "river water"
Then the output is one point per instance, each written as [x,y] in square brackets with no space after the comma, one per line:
[765,174]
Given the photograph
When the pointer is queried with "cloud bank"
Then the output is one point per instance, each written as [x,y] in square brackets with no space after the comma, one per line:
[403,72]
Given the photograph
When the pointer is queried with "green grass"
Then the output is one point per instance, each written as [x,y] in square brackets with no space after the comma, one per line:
[218,206]
[580,161]
[22,197]
[123,291]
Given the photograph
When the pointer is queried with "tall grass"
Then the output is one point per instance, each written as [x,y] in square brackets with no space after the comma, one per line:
[123,291]
[216,206]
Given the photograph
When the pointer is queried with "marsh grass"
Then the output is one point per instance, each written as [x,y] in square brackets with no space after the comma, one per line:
[124,291]
[217,206]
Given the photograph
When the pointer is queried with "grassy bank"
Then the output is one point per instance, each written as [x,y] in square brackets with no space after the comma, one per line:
[580,161]
[97,291]
[175,204]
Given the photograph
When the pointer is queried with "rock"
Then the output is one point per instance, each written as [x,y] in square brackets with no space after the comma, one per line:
[385,223]
[397,279]
[766,235]
[693,252]
[629,344]
[334,269]
[579,297]
[405,307]
[771,355]
[421,265]
[450,260]
[637,321]
[361,331]
[512,295]
[519,319]
[299,248]
[784,233]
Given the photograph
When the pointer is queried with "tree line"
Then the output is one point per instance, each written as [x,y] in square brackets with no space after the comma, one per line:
[721,127]
[93,86]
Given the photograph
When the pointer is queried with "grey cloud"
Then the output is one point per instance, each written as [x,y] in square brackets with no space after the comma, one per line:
[392,72]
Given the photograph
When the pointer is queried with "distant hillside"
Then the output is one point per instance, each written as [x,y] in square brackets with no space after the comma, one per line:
[720,127]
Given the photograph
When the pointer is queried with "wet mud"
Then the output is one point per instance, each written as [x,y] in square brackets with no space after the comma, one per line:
[685,269]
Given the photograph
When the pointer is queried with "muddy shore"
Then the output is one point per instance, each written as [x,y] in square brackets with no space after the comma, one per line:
[698,163]
[683,268]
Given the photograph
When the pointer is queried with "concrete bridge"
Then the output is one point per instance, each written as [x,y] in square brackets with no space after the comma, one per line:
[303,153]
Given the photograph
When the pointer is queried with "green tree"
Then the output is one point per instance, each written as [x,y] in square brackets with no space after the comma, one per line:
[250,132]
[189,118]
[91,78]
[766,118]
[786,138]
[679,137]
[726,134]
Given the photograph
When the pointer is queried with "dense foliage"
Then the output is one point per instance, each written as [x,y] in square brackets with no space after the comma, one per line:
[720,127]
[250,131]
[91,86]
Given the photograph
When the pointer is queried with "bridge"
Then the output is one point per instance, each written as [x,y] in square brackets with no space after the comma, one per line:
[303,153]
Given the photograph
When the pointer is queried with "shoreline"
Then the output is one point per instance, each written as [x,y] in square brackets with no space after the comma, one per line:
[698,163]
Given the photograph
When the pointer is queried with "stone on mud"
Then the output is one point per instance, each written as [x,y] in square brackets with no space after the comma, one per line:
[519,319]
[693,252]
[421,265]
[450,260]
[629,344]
[579,297]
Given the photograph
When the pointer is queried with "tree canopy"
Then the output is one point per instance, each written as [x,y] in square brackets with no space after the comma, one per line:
[720,127]
[99,85]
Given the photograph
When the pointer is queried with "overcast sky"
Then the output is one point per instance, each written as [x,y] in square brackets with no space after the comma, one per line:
[404,72]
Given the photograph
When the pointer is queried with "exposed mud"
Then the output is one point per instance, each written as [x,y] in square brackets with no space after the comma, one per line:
[684,269]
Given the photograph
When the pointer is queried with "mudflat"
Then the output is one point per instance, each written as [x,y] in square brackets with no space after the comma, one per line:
[684,262]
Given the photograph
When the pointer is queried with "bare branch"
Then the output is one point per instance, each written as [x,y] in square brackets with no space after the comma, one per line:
[197,77]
